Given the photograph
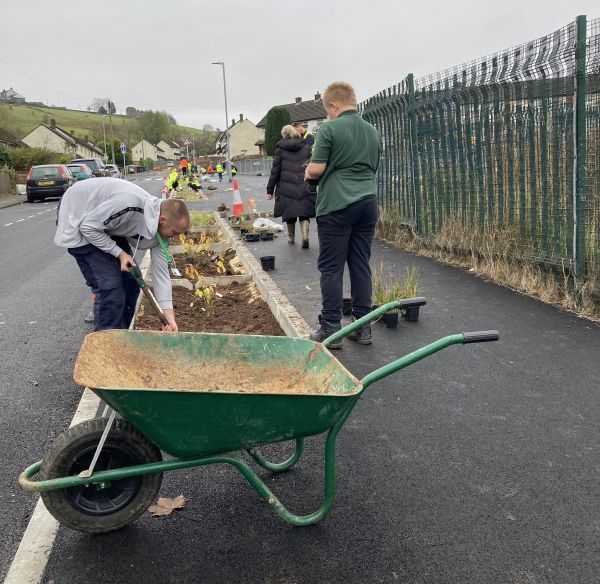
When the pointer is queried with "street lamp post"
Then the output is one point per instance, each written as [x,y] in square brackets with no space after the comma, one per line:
[222,63]
[104,134]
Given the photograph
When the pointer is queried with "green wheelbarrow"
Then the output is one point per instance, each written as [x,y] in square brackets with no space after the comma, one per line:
[197,397]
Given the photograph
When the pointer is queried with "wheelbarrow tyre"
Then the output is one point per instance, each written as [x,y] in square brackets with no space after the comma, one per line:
[88,509]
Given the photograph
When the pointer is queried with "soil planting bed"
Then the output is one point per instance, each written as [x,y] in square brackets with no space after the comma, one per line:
[207,268]
[241,311]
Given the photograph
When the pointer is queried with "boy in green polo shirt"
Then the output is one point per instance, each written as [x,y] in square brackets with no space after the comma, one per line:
[345,159]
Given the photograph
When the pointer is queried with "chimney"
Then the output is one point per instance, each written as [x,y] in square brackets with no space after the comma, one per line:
[298,99]
[241,117]
[232,121]
[317,96]
[52,123]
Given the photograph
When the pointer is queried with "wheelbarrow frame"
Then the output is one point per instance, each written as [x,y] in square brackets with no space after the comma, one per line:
[105,477]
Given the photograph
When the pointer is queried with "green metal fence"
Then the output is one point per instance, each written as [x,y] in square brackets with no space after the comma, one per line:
[509,142]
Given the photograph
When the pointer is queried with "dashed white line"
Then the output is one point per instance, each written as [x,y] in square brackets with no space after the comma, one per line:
[19,220]
[31,217]
[7,224]
[41,212]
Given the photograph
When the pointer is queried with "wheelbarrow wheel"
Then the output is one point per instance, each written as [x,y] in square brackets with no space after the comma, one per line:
[100,508]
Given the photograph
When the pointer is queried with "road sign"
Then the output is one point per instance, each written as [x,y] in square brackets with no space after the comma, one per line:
[123,148]
[187,142]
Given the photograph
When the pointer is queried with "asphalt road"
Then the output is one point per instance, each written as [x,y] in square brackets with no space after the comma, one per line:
[477,465]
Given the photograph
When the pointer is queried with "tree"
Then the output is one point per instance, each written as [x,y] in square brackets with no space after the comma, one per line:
[25,158]
[277,117]
[118,154]
[4,155]
[102,105]
[154,126]
[207,128]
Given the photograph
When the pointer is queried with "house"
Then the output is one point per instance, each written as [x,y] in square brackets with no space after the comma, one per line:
[311,113]
[60,141]
[144,149]
[171,150]
[8,140]
[243,135]
[11,96]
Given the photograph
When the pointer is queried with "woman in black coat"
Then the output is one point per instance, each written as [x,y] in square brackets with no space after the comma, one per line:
[293,200]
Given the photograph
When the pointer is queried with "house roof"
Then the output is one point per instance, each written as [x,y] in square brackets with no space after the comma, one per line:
[71,139]
[6,136]
[300,112]
[10,94]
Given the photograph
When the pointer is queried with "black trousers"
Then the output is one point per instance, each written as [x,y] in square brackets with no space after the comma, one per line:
[345,236]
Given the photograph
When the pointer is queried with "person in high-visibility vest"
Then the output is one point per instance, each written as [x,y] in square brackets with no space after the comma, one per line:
[233,170]
[306,135]
[183,165]
[220,171]
[172,182]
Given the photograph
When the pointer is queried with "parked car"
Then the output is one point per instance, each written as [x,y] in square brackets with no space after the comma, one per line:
[131,170]
[114,171]
[48,180]
[80,171]
[96,165]
[170,164]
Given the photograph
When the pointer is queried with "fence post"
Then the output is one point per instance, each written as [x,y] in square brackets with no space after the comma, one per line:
[579,168]
[414,151]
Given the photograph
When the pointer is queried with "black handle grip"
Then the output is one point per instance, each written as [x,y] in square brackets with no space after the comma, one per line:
[413,302]
[481,337]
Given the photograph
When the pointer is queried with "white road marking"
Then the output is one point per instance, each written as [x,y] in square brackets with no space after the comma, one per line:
[41,212]
[7,224]
[19,220]
[31,558]
[31,217]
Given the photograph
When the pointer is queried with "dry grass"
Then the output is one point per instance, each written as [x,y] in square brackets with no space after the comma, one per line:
[500,256]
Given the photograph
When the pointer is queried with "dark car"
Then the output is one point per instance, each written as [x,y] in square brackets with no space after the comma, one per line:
[80,171]
[96,165]
[48,180]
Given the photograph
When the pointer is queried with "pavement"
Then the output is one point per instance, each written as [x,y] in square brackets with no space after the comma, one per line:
[479,464]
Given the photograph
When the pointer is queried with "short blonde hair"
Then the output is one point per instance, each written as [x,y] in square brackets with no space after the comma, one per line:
[341,92]
[289,132]
[176,210]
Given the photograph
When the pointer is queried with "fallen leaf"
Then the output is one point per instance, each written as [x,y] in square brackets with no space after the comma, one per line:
[165,506]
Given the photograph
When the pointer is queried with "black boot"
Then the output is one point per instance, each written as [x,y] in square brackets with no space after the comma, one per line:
[363,335]
[326,330]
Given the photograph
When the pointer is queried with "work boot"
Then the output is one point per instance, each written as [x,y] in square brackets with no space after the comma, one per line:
[304,229]
[326,330]
[291,233]
[363,336]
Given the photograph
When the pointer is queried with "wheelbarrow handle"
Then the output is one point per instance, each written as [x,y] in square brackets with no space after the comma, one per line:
[426,351]
[353,326]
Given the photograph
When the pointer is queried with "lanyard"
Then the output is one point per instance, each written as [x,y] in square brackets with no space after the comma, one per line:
[164,247]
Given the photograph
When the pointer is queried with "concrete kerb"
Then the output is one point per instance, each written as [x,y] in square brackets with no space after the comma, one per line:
[11,203]
[284,312]
[33,552]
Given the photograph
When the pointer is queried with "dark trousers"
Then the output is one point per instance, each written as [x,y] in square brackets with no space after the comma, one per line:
[292,220]
[116,292]
[345,236]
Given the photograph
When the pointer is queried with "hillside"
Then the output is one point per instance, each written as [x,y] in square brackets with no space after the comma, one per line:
[21,119]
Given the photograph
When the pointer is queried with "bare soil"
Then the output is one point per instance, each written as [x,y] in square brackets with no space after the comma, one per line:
[202,262]
[241,311]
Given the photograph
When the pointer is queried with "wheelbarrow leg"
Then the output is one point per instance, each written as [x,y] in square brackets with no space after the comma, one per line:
[256,454]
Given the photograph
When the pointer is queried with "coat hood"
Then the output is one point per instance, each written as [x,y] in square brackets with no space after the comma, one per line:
[292,144]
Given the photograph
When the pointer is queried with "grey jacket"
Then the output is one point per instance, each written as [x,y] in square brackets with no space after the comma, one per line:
[93,210]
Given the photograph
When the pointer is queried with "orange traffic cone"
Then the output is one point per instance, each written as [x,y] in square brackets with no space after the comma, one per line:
[238,206]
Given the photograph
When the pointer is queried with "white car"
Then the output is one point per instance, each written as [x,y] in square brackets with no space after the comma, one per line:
[114,170]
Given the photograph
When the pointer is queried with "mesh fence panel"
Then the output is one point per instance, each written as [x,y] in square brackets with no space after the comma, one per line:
[491,144]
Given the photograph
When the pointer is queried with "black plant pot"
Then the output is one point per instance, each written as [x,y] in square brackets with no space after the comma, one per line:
[347,306]
[251,237]
[411,314]
[267,263]
[243,231]
[390,320]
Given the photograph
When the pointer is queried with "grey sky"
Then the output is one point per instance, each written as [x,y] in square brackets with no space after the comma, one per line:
[157,55]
